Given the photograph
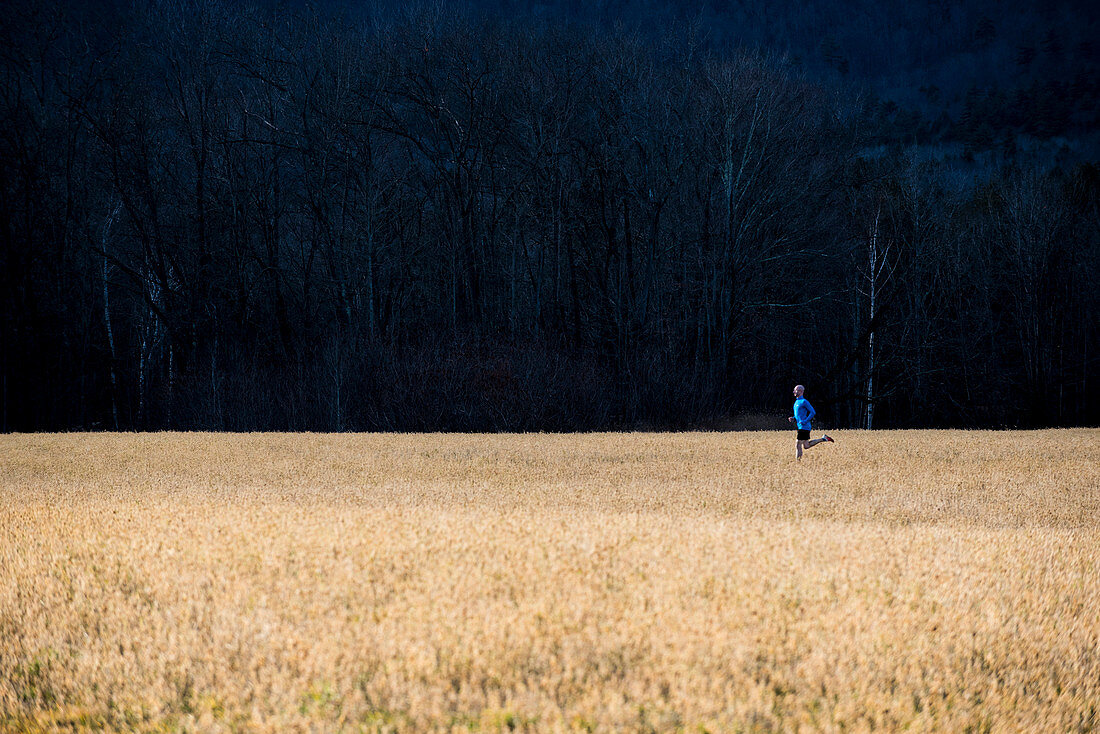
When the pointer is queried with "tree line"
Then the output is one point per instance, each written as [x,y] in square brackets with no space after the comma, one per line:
[253,218]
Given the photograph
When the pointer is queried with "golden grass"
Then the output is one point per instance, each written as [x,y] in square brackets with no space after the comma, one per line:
[643,582]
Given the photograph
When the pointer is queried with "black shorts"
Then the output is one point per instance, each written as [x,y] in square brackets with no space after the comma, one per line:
[803,434]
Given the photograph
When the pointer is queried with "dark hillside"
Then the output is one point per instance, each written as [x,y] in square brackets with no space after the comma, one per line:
[546,216]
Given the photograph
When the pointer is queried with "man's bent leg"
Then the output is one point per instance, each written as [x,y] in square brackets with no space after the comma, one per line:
[815,442]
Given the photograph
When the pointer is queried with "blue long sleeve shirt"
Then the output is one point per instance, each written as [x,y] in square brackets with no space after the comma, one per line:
[803,414]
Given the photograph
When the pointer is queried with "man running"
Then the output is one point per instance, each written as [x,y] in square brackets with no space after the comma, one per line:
[803,414]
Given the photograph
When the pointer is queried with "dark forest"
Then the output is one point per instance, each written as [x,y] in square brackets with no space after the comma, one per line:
[553,216]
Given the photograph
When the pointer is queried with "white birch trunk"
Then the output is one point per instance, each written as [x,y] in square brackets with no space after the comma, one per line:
[870,380]
[874,270]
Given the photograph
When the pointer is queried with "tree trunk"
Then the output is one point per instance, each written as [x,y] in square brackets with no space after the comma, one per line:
[874,269]
[107,314]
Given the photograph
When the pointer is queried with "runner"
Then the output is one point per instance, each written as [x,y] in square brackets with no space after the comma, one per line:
[803,414]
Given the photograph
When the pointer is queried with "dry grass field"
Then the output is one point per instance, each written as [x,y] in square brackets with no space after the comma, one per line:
[917,581]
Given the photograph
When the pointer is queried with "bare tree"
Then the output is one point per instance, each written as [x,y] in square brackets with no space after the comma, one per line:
[875,278]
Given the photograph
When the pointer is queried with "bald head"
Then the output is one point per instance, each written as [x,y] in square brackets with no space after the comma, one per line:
[798,390]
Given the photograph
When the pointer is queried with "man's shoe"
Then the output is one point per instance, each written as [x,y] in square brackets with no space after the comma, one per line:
[830,440]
